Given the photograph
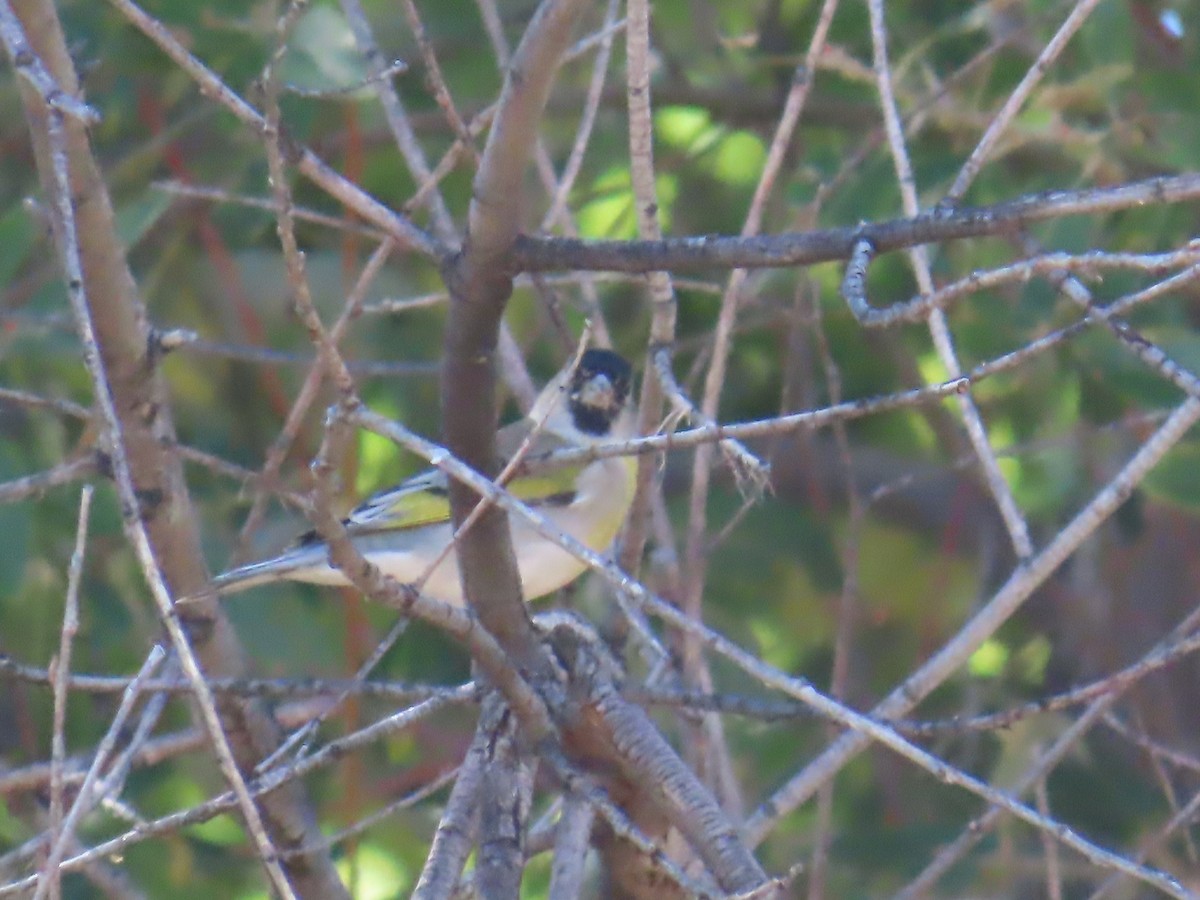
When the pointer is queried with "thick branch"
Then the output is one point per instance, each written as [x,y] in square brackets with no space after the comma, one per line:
[145,431]
[459,824]
[505,793]
[480,283]
[611,730]
[546,254]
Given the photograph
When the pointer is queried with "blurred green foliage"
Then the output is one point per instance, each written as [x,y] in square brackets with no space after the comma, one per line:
[1120,105]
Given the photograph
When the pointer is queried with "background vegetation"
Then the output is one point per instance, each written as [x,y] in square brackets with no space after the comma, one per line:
[858,552]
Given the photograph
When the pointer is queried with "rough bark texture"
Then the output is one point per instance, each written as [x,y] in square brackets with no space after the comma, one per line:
[130,355]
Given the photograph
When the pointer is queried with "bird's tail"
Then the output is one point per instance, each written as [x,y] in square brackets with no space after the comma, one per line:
[298,564]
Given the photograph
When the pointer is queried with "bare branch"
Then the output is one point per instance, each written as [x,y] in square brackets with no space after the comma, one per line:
[84,801]
[459,824]
[480,286]
[939,329]
[690,254]
[135,412]
[351,195]
[999,609]
[37,484]
[505,794]
[265,784]
[62,671]
[570,849]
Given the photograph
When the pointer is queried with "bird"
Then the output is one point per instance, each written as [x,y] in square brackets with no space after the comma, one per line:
[402,530]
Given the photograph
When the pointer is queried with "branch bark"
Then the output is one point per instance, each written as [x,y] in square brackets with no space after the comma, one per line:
[690,254]
[480,281]
[142,402]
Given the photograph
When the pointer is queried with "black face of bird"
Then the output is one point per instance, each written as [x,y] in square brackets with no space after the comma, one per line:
[598,390]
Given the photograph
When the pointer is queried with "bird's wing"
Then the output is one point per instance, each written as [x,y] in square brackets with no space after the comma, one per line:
[509,438]
[424,499]
[538,482]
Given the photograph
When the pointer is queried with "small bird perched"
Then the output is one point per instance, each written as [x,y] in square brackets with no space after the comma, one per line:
[404,529]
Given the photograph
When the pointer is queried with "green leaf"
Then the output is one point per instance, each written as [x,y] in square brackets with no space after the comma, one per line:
[322,54]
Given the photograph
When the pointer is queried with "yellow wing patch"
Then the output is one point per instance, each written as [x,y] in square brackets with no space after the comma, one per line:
[409,509]
[425,500]
[554,487]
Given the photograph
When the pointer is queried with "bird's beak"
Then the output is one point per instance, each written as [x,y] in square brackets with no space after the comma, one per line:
[598,392]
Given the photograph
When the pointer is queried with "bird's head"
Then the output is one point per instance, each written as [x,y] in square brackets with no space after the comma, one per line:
[591,399]
[598,391]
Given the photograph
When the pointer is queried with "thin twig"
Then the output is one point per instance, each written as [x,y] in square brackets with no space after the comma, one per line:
[84,800]
[939,329]
[397,119]
[659,289]
[37,484]
[995,612]
[62,671]
[230,198]
[134,523]
[1046,265]
[36,401]
[307,394]
[228,802]
[1016,99]
[349,194]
